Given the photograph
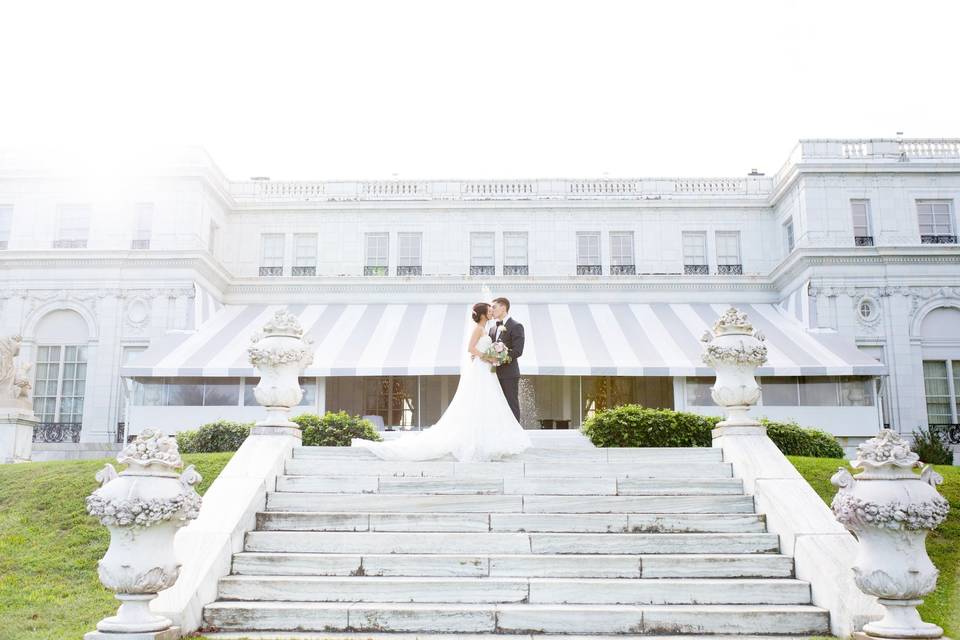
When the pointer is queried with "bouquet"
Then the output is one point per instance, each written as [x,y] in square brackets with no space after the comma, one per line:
[499,354]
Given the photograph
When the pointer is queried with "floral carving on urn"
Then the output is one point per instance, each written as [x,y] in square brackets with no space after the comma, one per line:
[280,353]
[142,506]
[734,350]
[890,509]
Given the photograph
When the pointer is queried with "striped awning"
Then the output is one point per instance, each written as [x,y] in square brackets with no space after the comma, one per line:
[561,339]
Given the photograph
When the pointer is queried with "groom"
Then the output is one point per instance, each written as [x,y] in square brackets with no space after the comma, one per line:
[510,333]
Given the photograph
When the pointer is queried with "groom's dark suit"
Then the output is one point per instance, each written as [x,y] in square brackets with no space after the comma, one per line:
[509,374]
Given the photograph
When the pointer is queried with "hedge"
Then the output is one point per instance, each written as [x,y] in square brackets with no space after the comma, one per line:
[222,435]
[631,425]
[334,429]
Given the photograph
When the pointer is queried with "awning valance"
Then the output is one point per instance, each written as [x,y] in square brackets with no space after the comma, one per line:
[661,339]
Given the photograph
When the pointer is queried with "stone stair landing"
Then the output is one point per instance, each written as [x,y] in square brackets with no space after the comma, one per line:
[565,539]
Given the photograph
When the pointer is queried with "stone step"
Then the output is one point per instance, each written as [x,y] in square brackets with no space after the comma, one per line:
[346,635]
[516,565]
[509,486]
[681,455]
[301,501]
[517,618]
[515,590]
[510,543]
[375,467]
[506,522]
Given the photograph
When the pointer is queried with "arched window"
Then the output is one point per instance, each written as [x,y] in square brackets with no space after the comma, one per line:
[61,372]
[940,335]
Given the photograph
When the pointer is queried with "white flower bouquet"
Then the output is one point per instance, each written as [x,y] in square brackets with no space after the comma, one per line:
[497,354]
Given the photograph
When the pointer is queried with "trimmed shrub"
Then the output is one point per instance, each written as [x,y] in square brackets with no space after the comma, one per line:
[631,425]
[222,435]
[334,429]
[930,447]
[794,440]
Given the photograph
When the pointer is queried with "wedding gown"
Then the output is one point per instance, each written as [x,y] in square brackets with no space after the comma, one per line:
[477,426]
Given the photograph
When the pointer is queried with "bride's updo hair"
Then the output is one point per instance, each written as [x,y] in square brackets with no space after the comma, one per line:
[480,311]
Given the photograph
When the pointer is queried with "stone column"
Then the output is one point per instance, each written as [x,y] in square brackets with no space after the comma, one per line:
[17,419]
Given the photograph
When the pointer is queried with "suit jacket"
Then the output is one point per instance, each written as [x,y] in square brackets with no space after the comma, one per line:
[512,337]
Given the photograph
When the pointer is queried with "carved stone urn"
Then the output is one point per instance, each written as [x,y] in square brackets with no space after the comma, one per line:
[890,509]
[280,353]
[143,507]
[735,350]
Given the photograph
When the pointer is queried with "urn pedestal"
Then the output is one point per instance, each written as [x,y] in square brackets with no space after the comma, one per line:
[280,353]
[735,350]
[890,509]
[143,506]
[16,435]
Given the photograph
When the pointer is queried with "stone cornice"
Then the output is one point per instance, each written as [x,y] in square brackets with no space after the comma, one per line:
[801,260]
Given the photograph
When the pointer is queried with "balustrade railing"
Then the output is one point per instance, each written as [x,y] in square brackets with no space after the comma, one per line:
[303,271]
[374,271]
[516,270]
[271,271]
[483,270]
[696,269]
[57,432]
[589,270]
[410,270]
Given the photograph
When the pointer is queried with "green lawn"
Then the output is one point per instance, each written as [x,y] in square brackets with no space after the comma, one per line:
[49,548]
[941,607]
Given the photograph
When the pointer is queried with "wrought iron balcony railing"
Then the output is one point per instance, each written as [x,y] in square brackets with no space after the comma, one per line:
[271,271]
[69,244]
[374,271]
[303,271]
[696,269]
[516,270]
[140,244]
[623,269]
[938,239]
[949,433]
[863,241]
[410,270]
[483,270]
[589,270]
[729,269]
[57,432]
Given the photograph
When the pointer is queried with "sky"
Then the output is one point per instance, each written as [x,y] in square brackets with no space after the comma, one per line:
[416,90]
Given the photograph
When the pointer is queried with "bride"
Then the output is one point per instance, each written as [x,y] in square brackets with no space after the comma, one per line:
[478,425]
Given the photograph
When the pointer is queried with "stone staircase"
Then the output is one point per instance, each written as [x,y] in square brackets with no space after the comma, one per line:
[564,539]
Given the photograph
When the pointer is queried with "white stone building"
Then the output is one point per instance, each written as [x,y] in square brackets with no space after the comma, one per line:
[136,290]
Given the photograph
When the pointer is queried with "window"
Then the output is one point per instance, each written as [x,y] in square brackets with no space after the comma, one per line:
[304,254]
[377,248]
[939,377]
[482,254]
[221,392]
[728,253]
[271,254]
[515,261]
[73,227]
[588,254]
[788,234]
[936,222]
[6,222]
[856,392]
[818,392]
[860,210]
[144,226]
[695,253]
[621,253]
[60,380]
[700,392]
[408,254]
[779,392]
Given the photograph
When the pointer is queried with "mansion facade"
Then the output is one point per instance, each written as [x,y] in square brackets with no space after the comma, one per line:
[136,290]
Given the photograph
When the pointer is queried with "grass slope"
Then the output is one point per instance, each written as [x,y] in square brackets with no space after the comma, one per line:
[49,547]
[941,607]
